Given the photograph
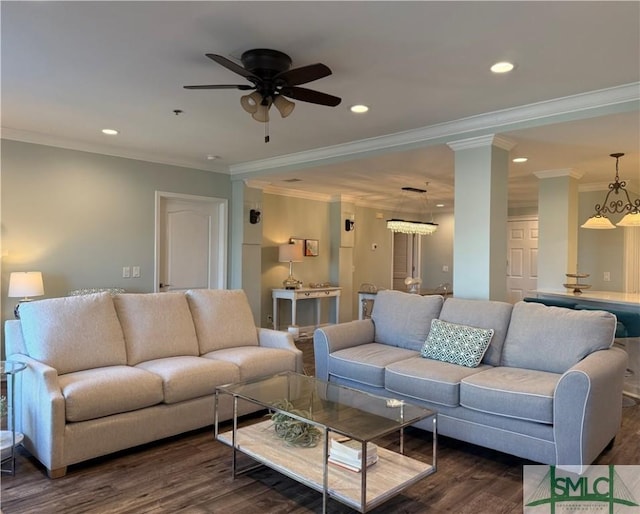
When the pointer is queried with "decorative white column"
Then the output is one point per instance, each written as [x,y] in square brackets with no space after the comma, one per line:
[480,217]
[557,227]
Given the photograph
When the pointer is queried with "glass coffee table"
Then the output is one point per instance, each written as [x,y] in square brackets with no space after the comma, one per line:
[337,412]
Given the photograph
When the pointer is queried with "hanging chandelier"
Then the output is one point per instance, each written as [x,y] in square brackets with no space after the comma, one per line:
[632,217]
[421,228]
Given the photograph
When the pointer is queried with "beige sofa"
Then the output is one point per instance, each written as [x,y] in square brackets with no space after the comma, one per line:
[107,373]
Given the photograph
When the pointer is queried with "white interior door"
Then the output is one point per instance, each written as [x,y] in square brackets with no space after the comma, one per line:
[191,242]
[522,265]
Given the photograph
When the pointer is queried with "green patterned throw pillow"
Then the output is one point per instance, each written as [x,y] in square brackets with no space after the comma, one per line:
[457,344]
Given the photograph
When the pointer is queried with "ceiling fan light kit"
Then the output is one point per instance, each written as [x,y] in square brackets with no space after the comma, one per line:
[600,221]
[272,80]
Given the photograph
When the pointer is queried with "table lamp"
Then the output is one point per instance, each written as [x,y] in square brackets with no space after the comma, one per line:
[23,284]
[290,253]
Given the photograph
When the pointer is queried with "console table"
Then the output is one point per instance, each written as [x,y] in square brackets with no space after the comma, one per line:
[305,293]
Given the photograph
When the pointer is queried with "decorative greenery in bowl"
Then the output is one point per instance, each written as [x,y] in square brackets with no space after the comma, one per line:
[293,431]
[3,405]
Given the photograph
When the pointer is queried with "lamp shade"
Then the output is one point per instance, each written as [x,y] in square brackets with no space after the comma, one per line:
[630,220]
[290,252]
[23,284]
[262,113]
[284,106]
[598,222]
[251,102]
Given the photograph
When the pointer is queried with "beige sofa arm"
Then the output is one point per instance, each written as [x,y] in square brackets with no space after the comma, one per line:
[270,338]
[587,408]
[331,338]
[40,411]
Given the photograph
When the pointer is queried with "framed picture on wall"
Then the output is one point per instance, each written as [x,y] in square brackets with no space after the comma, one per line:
[311,247]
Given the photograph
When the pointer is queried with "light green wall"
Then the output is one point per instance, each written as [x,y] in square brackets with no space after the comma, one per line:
[371,266]
[80,217]
[600,250]
[437,251]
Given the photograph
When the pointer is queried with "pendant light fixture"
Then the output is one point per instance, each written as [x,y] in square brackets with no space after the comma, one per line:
[420,228]
[600,221]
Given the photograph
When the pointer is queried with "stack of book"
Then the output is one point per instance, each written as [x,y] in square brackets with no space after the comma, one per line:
[348,454]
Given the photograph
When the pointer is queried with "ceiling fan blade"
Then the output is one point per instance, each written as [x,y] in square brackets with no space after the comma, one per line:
[311,96]
[304,74]
[230,65]
[241,87]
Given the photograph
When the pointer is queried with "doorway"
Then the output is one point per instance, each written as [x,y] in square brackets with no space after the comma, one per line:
[522,258]
[191,242]
[406,258]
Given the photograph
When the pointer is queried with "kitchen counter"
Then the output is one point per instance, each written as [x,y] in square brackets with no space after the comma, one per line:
[625,301]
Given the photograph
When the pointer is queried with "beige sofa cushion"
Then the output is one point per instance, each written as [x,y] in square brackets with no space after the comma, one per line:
[186,378]
[223,319]
[156,325]
[73,333]
[99,392]
[256,362]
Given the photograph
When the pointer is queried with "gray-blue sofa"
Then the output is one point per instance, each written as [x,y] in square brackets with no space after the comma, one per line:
[547,387]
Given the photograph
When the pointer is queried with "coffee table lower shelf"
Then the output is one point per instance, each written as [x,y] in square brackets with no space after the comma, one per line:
[389,476]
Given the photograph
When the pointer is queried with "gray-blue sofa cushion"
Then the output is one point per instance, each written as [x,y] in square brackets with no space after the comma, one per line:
[482,314]
[403,319]
[365,363]
[513,392]
[554,338]
[428,380]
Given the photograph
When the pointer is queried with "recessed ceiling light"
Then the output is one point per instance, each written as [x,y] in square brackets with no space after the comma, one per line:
[502,67]
[520,159]
[439,205]
[110,132]
[213,157]
[359,108]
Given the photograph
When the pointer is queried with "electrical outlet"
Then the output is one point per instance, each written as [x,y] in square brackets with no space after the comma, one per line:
[269,318]
[135,272]
[445,268]
[126,272]
[607,276]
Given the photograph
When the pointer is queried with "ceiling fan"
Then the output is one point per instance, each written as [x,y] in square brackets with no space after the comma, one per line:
[273,82]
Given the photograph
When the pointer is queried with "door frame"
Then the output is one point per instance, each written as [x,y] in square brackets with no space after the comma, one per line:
[221,205]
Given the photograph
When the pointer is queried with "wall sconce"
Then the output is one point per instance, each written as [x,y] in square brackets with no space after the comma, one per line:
[349,225]
[254,216]
[23,284]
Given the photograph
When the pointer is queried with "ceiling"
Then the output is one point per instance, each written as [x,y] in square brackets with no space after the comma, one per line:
[70,69]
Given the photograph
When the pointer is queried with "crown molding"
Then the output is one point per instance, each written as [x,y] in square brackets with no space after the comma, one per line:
[567,172]
[481,142]
[38,138]
[584,104]
[268,187]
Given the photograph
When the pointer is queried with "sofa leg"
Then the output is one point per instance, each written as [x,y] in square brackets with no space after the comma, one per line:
[57,473]
[610,445]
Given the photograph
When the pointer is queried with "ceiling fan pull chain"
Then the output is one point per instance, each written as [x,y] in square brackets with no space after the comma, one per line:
[266,131]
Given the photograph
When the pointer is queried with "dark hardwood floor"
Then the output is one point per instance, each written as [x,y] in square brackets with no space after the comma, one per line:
[191,474]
